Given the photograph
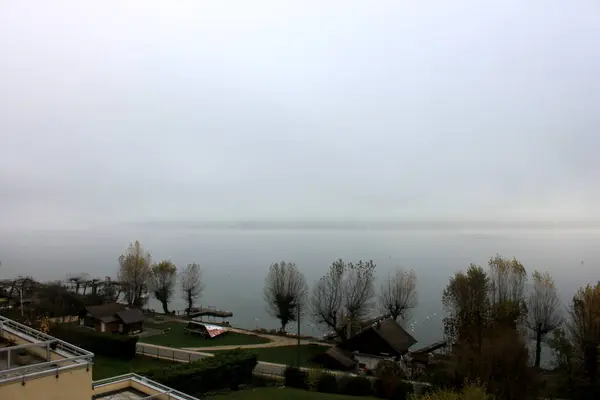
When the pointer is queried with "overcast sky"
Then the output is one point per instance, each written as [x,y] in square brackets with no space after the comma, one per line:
[123,111]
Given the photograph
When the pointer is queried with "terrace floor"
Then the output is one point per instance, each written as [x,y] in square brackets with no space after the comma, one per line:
[126,394]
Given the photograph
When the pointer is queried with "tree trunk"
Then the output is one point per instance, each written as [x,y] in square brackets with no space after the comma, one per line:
[165,307]
[190,302]
[538,346]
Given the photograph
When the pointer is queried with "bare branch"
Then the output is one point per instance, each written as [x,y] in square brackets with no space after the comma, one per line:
[344,296]
[163,277]
[191,285]
[399,293]
[285,292]
[544,309]
[134,271]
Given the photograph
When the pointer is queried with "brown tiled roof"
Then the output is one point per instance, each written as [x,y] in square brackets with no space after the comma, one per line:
[394,335]
[104,310]
[342,357]
[131,316]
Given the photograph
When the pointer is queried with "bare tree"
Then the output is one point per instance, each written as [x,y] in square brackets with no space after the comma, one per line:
[399,293]
[543,307]
[191,285]
[110,290]
[284,292]
[134,272]
[163,277]
[77,280]
[344,296]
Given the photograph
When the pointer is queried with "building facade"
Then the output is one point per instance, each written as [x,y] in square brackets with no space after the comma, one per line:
[37,366]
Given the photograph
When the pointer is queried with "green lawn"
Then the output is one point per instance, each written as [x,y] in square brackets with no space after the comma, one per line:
[288,354]
[280,393]
[178,337]
[107,367]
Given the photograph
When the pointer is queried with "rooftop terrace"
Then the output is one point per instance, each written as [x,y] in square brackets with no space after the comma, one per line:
[27,353]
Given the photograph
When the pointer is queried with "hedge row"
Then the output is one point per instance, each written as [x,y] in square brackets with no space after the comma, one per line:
[226,370]
[105,344]
[326,382]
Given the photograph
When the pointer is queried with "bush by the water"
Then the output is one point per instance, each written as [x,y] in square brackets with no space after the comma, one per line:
[295,378]
[226,370]
[327,383]
[105,344]
[393,390]
[356,386]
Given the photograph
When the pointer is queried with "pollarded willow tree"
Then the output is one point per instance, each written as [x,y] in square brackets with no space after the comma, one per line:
[191,285]
[344,296]
[398,294]
[163,277]
[134,272]
[285,292]
[543,305]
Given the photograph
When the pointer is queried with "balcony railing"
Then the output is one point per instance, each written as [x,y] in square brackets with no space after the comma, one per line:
[70,356]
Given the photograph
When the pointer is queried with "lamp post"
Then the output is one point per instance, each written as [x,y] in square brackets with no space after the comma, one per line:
[298,337]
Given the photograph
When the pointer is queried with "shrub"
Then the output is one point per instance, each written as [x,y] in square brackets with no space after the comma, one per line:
[295,378]
[262,381]
[226,370]
[105,344]
[402,390]
[357,386]
[470,392]
[312,379]
[327,384]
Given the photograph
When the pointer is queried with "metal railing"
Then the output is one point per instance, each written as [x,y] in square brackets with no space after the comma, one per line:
[35,336]
[72,356]
[162,389]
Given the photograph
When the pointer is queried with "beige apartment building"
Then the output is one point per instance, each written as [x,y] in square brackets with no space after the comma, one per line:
[37,366]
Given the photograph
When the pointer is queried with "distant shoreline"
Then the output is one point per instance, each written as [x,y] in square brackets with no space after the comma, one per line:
[368,225]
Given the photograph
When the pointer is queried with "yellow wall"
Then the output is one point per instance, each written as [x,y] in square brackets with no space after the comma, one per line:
[75,384]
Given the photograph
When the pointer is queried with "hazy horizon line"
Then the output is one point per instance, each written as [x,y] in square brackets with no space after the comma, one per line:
[365,224]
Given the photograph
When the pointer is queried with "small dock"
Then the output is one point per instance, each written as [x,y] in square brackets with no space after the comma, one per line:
[209,312]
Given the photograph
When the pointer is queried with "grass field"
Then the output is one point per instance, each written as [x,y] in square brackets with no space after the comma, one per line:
[288,354]
[107,367]
[280,393]
[178,337]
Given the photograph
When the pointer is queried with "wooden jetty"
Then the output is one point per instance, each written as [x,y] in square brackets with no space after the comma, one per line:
[210,312]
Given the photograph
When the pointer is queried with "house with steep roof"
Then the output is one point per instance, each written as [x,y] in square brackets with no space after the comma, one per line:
[382,340]
[372,341]
[113,318]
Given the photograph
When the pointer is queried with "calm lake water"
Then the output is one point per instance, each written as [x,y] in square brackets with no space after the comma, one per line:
[235,261]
